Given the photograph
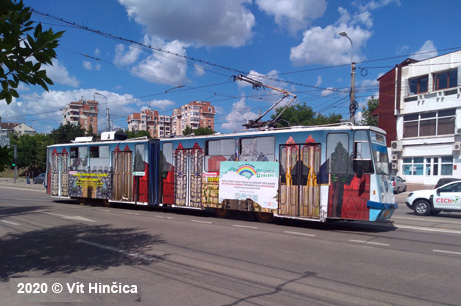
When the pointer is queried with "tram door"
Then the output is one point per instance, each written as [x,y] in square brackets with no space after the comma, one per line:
[123,175]
[299,191]
[60,174]
[188,177]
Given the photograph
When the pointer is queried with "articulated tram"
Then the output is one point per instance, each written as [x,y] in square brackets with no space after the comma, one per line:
[311,173]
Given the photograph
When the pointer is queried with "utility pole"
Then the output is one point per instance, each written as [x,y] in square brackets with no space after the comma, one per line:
[15,155]
[353,104]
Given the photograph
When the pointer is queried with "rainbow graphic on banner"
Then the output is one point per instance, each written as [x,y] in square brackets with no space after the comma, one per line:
[247,171]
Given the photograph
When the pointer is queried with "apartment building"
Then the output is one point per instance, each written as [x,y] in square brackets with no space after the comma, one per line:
[157,125]
[420,109]
[194,114]
[84,112]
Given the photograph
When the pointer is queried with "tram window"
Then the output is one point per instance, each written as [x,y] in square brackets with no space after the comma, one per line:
[99,158]
[139,157]
[257,149]
[338,152]
[218,151]
[94,152]
[79,158]
[362,154]
[167,157]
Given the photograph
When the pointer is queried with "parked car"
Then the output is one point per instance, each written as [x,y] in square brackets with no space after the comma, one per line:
[40,179]
[433,201]
[446,180]
[398,184]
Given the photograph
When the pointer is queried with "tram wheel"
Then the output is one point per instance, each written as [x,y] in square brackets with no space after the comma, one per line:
[221,212]
[264,217]
[106,203]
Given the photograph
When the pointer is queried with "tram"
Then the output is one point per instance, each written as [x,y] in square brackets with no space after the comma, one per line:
[318,173]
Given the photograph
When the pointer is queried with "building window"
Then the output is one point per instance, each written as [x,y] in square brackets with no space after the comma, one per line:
[446,79]
[428,166]
[418,85]
[429,124]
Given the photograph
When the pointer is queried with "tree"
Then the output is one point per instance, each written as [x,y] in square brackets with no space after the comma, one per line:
[66,133]
[6,157]
[23,49]
[187,131]
[303,115]
[136,134]
[31,150]
[368,119]
[203,131]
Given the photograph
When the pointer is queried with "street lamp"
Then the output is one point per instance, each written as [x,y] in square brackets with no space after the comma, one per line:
[353,105]
[107,111]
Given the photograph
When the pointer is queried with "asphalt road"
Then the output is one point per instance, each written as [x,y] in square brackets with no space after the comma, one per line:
[193,258]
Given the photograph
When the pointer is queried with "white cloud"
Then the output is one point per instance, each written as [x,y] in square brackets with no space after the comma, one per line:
[126,58]
[59,74]
[328,91]
[426,51]
[89,66]
[294,15]
[202,22]
[199,70]
[162,105]
[324,45]
[239,115]
[160,68]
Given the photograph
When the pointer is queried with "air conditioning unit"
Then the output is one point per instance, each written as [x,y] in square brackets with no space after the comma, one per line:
[394,166]
[394,157]
[396,146]
[457,146]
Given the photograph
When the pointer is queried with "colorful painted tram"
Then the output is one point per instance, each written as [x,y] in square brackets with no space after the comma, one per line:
[311,173]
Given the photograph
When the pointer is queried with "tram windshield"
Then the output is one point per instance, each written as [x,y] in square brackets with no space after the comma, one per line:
[380,156]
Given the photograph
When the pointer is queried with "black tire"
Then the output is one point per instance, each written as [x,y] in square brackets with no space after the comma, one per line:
[221,212]
[264,217]
[422,208]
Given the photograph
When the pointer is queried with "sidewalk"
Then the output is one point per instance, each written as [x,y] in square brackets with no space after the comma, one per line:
[20,183]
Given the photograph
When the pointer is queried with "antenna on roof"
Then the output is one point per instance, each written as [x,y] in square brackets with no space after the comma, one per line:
[257,85]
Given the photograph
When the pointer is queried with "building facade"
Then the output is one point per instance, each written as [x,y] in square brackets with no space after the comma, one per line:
[194,115]
[426,101]
[157,125]
[83,112]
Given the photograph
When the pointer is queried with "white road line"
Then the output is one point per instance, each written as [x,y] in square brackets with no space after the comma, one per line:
[448,252]
[78,218]
[137,255]
[300,234]
[369,242]
[244,226]
[9,222]
[204,222]
[429,229]
[416,219]
[131,213]
[162,217]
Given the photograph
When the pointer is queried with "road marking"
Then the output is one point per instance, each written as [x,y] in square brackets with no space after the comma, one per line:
[78,218]
[417,219]
[104,210]
[244,226]
[204,222]
[448,252]
[101,246]
[369,242]
[9,222]
[162,217]
[300,234]
[131,213]
[429,229]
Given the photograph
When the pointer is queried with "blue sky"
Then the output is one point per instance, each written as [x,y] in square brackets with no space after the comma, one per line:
[199,45]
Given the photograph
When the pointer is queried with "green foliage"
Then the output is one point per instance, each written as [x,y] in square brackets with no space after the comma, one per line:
[203,131]
[187,131]
[368,119]
[6,157]
[66,133]
[23,49]
[136,134]
[303,115]
[31,151]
